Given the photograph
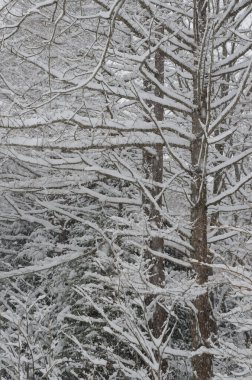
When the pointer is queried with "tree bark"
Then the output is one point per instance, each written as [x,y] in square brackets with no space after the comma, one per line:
[153,167]
[203,323]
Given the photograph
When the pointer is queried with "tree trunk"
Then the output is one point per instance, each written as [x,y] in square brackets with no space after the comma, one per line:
[203,324]
[153,167]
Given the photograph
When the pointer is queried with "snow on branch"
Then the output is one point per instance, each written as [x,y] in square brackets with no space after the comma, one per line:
[43,265]
[230,191]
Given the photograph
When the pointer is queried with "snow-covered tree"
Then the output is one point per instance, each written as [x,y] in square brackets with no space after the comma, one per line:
[126,151]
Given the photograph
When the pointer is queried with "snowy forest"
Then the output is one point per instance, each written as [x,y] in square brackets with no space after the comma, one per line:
[126,190]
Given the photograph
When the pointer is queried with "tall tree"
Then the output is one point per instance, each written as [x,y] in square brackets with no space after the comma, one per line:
[126,148]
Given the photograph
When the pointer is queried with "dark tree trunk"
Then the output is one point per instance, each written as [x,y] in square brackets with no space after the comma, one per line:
[203,323]
[153,167]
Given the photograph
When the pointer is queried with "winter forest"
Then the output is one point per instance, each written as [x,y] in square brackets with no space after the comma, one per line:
[126,189]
